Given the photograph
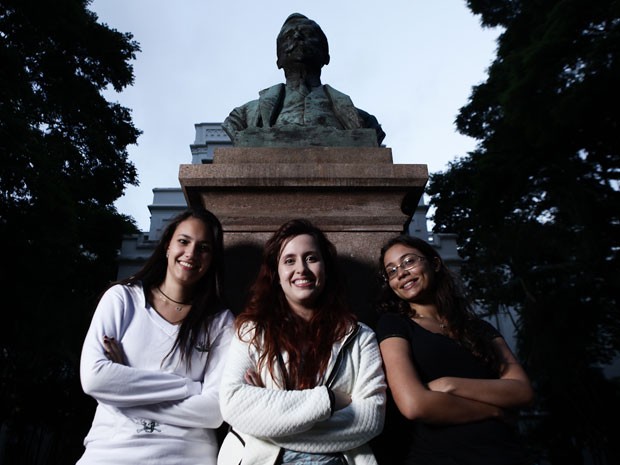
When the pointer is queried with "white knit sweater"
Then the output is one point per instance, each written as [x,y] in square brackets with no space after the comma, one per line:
[270,418]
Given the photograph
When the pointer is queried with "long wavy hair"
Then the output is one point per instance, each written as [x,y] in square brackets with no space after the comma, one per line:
[449,297]
[208,291]
[279,330]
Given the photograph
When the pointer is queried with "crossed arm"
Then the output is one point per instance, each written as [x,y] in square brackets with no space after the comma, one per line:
[452,400]
[302,419]
[158,395]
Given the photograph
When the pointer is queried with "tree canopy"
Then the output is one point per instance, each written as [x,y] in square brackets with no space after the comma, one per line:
[536,206]
[64,162]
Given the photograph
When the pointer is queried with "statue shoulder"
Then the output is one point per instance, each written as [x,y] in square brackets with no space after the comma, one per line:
[353,116]
[271,92]
[335,94]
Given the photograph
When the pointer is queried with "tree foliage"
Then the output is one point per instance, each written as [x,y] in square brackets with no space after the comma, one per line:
[536,206]
[64,163]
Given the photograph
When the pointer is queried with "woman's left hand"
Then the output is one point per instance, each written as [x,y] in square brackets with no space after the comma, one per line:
[444,384]
[252,378]
[113,350]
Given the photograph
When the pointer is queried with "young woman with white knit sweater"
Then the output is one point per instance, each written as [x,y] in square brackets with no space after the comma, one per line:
[303,382]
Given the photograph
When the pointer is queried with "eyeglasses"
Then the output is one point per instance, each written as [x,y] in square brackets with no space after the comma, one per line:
[408,263]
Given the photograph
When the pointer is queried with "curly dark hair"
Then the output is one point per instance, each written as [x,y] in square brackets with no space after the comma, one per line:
[279,330]
[450,299]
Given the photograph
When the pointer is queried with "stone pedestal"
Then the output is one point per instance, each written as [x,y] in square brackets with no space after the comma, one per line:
[357,195]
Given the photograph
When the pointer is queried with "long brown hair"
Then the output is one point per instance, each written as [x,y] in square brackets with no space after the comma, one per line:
[452,303]
[208,291]
[279,330]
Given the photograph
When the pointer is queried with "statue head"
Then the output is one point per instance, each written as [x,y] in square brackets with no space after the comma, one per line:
[301,41]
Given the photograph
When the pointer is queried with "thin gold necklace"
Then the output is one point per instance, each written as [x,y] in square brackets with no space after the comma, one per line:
[179,305]
[442,325]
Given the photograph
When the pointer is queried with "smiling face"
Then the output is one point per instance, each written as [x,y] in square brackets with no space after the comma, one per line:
[415,285]
[189,252]
[301,271]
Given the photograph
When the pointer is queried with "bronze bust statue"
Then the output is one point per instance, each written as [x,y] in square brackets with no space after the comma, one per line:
[303,111]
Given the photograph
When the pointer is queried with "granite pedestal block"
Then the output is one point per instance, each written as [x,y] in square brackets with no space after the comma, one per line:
[357,195]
